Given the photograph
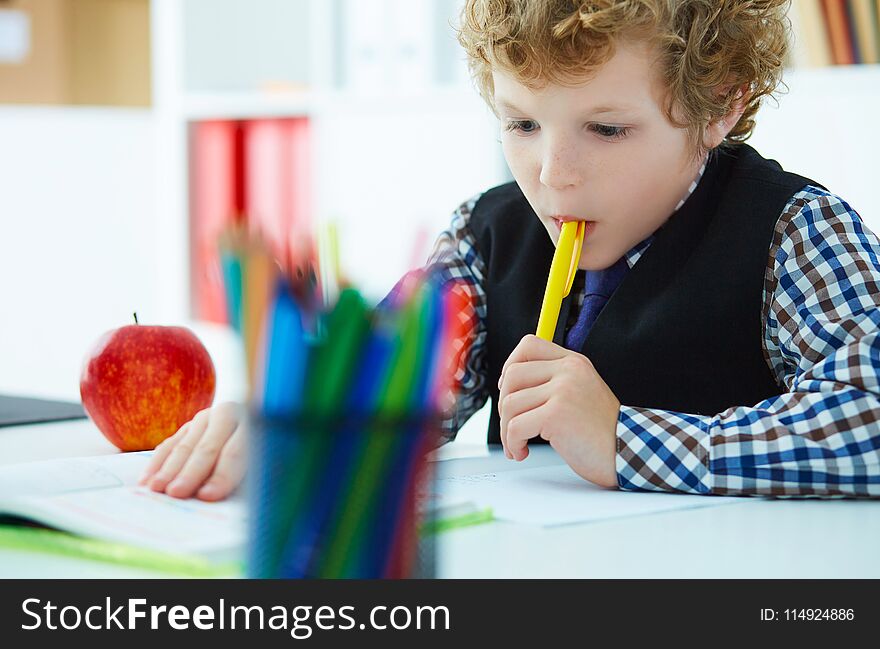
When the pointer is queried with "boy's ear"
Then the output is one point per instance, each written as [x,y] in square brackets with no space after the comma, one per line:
[718,129]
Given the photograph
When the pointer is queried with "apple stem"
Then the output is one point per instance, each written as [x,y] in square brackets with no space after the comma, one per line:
[136,318]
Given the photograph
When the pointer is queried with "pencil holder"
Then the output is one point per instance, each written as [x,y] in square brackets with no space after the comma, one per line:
[339,497]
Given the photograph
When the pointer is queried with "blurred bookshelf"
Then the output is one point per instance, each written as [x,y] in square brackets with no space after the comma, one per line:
[835,32]
[396,136]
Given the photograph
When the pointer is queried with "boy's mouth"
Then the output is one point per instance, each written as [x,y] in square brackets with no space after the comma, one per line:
[589,226]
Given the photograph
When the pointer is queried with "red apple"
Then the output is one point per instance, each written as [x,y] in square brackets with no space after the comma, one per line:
[141,383]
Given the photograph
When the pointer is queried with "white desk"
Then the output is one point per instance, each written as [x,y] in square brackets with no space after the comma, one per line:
[753,538]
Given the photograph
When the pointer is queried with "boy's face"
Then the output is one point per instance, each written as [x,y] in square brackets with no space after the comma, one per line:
[602,152]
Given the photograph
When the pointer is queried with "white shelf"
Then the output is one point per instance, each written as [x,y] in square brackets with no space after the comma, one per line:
[847,79]
[256,105]
[65,111]
[450,99]
[241,105]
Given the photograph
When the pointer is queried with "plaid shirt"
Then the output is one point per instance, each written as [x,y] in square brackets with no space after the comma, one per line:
[821,311]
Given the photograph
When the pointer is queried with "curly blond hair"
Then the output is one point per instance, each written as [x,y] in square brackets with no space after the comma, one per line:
[709,49]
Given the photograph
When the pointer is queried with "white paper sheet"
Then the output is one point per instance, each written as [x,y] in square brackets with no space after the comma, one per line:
[556,495]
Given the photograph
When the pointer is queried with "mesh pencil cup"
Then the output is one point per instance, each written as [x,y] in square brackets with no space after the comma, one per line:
[339,497]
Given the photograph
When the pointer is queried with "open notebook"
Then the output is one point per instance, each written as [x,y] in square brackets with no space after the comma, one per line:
[98,498]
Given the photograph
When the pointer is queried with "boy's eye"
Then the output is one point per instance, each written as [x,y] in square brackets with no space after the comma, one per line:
[610,132]
[522,125]
[527,126]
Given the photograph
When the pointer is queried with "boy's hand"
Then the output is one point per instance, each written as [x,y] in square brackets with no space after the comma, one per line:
[205,458]
[556,393]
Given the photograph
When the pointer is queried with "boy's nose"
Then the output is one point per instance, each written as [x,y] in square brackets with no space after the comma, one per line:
[559,170]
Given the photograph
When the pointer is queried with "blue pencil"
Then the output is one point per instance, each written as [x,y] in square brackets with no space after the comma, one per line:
[286,356]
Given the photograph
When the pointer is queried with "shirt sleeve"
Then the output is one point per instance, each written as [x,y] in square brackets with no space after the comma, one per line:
[821,437]
[455,259]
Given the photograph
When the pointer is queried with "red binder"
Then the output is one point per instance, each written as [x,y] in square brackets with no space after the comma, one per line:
[218,195]
[278,183]
[256,173]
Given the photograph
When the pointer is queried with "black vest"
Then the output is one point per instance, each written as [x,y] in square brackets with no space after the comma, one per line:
[683,331]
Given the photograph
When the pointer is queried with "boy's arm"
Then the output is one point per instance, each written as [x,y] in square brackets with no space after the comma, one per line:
[454,258]
[821,437]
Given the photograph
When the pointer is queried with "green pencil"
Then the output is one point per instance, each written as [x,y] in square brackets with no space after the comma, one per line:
[35,539]
[346,546]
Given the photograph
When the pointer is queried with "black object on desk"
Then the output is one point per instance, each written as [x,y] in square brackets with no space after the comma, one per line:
[15,411]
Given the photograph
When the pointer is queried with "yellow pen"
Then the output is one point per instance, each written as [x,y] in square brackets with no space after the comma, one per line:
[562,271]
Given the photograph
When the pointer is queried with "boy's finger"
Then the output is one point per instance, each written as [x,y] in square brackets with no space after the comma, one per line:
[229,470]
[521,429]
[525,375]
[521,402]
[162,451]
[532,348]
[202,460]
[179,454]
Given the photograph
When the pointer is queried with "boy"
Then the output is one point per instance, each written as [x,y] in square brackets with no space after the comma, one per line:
[723,335]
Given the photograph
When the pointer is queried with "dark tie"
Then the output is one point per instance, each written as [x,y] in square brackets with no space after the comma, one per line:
[599,285]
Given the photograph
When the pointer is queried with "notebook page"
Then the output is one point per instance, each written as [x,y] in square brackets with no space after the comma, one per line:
[141,517]
[72,474]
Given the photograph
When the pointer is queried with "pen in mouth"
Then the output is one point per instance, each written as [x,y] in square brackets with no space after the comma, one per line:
[558,222]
